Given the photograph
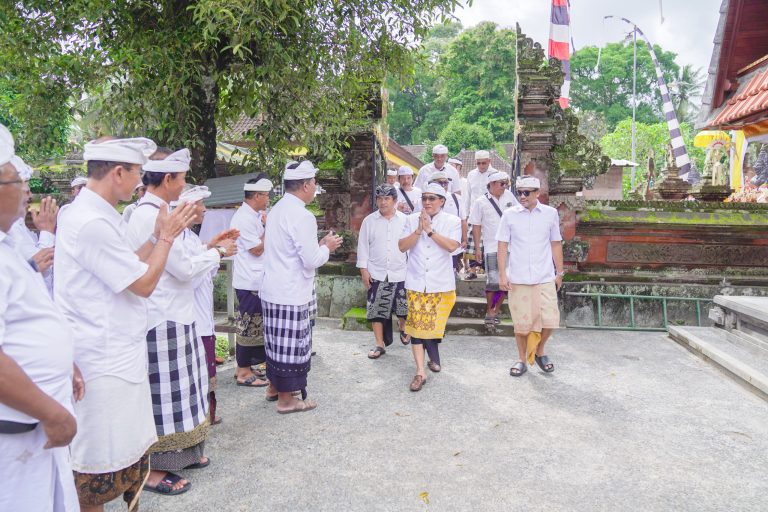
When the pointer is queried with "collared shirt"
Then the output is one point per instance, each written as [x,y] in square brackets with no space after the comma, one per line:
[128,211]
[291,253]
[529,233]
[248,268]
[33,332]
[414,195]
[430,267]
[426,172]
[174,297]
[377,248]
[93,268]
[450,206]
[485,215]
[28,244]
[478,183]
[204,323]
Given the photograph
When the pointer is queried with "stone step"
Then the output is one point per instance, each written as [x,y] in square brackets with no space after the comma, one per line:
[354,320]
[474,307]
[750,307]
[757,346]
[471,288]
[712,344]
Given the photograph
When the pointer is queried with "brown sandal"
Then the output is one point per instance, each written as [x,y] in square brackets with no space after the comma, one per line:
[300,406]
[434,367]
[417,383]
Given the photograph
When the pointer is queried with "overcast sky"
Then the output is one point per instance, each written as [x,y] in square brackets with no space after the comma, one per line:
[688,28]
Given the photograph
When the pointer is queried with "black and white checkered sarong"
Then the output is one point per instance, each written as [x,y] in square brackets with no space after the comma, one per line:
[288,344]
[178,378]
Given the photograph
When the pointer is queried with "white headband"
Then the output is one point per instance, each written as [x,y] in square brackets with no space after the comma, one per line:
[128,151]
[78,181]
[24,170]
[303,171]
[482,155]
[439,150]
[6,145]
[404,170]
[173,163]
[193,195]
[263,185]
[527,182]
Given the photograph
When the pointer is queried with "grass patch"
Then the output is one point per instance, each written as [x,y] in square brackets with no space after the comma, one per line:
[222,346]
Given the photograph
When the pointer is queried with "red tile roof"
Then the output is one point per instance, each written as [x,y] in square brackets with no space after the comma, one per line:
[750,100]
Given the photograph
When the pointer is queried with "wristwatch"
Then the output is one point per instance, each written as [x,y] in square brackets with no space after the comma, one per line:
[560,274]
[222,251]
[431,233]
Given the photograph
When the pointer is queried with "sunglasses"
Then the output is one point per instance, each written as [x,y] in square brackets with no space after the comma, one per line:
[525,193]
[430,198]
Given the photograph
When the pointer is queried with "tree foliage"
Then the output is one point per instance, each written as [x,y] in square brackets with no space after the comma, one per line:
[465,76]
[608,90]
[686,91]
[458,135]
[177,70]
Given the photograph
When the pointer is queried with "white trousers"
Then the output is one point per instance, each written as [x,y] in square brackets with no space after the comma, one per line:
[35,479]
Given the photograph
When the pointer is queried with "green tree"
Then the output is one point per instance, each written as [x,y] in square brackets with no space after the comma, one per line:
[457,135]
[608,90]
[176,70]
[685,90]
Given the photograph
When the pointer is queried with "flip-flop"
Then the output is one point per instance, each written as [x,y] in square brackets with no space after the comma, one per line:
[305,406]
[200,465]
[376,352]
[217,421]
[520,367]
[249,382]
[543,362]
[273,398]
[404,338]
[165,486]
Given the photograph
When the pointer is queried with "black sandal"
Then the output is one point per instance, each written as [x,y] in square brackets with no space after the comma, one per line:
[377,352]
[518,369]
[165,486]
[544,364]
[200,465]
[404,338]
[249,382]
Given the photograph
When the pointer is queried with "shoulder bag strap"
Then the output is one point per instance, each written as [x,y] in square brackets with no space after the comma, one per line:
[495,206]
[407,199]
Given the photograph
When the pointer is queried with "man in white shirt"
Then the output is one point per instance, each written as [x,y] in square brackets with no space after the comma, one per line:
[533,272]
[36,371]
[431,237]
[250,220]
[456,207]
[101,286]
[477,183]
[177,367]
[37,249]
[408,196]
[291,256]
[485,217]
[457,164]
[439,163]
[382,268]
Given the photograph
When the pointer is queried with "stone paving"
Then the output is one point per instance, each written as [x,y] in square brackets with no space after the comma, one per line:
[629,421]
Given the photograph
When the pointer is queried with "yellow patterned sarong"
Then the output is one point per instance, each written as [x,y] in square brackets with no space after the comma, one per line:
[428,313]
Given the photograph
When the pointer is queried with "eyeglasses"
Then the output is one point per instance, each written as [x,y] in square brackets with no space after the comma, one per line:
[525,193]
[430,198]
[11,182]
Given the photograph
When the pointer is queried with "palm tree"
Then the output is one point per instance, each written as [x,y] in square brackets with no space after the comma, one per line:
[686,93]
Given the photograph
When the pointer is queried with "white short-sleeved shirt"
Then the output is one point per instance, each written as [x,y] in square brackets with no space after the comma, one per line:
[377,248]
[93,268]
[478,183]
[33,332]
[426,172]
[450,206]
[430,267]
[248,269]
[28,244]
[414,195]
[204,322]
[483,214]
[529,234]
[291,253]
[174,297]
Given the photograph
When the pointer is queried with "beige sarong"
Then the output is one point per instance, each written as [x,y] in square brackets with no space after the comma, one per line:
[534,307]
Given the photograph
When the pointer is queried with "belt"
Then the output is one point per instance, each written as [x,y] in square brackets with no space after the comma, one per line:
[13,427]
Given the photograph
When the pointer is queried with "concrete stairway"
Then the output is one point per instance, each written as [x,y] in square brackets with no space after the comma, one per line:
[738,343]
[467,316]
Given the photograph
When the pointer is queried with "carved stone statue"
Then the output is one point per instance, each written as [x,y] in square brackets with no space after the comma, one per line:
[761,169]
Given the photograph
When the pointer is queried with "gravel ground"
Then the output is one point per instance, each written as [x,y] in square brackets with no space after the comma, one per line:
[628,421]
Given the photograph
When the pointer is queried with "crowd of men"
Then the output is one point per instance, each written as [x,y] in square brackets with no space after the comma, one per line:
[107,344]
[410,253]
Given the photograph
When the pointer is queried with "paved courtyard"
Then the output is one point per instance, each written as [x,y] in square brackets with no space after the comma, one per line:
[629,421]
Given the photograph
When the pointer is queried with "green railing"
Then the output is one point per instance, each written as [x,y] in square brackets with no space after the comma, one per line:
[632,299]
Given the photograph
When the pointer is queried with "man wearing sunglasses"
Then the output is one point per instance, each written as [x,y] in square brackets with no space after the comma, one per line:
[485,218]
[382,268]
[530,257]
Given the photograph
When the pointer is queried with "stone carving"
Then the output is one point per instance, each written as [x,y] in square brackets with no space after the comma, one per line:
[761,169]
[714,182]
[687,254]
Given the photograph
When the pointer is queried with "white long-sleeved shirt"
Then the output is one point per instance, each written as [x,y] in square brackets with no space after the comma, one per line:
[291,253]
[414,195]
[248,268]
[377,248]
[28,244]
[483,214]
[426,172]
[174,297]
[430,267]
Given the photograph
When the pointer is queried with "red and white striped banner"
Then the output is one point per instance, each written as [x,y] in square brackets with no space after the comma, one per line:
[560,44]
